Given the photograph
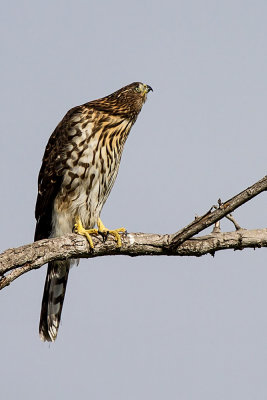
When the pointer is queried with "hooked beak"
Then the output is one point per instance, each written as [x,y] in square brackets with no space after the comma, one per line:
[148,89]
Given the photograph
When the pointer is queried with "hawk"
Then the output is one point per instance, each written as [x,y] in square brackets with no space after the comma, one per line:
[79,168]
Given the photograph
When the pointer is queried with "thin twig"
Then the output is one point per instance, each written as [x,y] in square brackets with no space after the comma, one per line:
[231,218]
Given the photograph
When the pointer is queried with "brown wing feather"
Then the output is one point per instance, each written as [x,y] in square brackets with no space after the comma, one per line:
[51,174]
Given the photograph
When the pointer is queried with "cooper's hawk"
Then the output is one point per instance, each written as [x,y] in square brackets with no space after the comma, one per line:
[80,165]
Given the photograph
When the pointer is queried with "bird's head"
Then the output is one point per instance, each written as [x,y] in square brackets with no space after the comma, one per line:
[129,100]
[135,92]
[141,88]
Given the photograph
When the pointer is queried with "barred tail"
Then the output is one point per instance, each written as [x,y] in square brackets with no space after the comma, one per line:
[53,298]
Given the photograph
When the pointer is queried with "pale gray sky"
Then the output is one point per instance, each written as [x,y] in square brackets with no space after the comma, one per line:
[146,328]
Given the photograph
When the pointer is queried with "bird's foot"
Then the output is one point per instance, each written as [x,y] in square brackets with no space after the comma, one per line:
[104,232]
[78,228]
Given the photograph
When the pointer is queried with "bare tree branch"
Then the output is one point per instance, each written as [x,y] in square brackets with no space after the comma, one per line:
[32,256]
[225,208]
[15,262]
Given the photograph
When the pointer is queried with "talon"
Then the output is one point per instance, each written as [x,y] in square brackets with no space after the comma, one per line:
[104,232]
[104,235]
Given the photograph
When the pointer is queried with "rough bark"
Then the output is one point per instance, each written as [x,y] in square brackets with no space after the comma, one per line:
[15,262]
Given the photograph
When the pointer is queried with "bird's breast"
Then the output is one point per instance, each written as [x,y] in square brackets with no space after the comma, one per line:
[91,166]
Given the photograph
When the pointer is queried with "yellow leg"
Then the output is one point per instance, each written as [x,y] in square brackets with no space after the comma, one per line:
[78,228]
[114,232]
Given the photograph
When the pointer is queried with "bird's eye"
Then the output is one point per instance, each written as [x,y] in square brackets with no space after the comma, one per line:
[137,89]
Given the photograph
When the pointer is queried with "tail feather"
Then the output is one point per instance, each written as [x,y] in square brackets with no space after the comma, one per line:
[53,298]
